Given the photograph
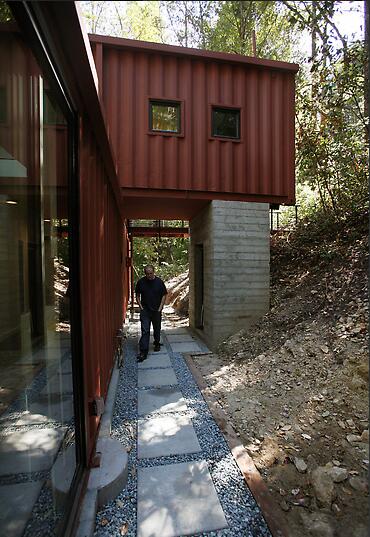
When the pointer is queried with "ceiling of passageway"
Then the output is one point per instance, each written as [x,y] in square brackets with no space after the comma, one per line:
[162,208]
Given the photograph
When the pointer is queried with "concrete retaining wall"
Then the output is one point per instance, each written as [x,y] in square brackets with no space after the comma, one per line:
[236,244]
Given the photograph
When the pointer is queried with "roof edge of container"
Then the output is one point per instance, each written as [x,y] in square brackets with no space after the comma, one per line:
[206,55]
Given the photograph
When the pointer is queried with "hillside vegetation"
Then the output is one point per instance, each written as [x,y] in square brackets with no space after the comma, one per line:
[295,386]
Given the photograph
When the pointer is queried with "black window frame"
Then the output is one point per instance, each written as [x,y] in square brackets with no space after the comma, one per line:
[34,28]
[229,109]
[3,105]
[165,102]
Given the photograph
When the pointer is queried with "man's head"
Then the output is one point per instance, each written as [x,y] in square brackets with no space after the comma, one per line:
[149,272]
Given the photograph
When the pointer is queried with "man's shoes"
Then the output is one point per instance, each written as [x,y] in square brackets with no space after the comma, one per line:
[157,347]
[141,357]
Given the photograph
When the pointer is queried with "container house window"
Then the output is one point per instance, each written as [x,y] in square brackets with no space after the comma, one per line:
[165,116]
[226,123]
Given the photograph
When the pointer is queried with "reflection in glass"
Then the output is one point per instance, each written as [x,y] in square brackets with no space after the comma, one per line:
[226,123]
[165,117]
[36,389]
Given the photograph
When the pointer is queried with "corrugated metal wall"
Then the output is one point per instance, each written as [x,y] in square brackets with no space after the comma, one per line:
[103,273]
[261,164]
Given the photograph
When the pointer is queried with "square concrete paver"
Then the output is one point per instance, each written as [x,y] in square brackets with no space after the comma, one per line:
[27,418]
[156,377]
[177,499]
[167,435]
[29,451]
[16,503]
[179,338]
[162,352]
[173,331]
[189,346]
[160,400]
[155,361]
[59,410]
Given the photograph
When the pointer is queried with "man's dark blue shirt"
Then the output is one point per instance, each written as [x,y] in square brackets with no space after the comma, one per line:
[151,292]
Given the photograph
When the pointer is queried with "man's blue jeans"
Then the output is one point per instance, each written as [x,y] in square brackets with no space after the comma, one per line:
[147,317]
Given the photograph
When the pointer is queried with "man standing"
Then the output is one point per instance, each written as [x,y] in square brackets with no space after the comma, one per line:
[150,295]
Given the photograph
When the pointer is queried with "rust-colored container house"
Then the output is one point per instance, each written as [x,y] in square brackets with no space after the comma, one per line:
[91,135]
[252,160]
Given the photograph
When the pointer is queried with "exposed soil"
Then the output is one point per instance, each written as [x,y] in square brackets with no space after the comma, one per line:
[295,386]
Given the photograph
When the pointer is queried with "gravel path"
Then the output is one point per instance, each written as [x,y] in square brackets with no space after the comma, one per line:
[119,516]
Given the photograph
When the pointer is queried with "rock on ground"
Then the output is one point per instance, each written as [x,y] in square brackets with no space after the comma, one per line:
[286,384]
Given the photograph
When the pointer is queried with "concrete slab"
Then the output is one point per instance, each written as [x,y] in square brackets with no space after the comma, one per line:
[86,522]
[62,474]
[177,499]
[156,377]
[29,451]
[28,418]
[179,338]
[61,411]
[16,503]
[111,476]
[160,400]
[190,346]
[162,352]
[155,361]
[176,331]
[167,435]
[106,419]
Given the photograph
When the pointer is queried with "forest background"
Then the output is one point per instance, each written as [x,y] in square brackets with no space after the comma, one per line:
[332,96]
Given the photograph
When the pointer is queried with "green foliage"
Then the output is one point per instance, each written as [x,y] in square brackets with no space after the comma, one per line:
[236,22]
[5,13]
[307,201]
[168,255]
[144,21]
[190,22]
[134,20]
[331,137]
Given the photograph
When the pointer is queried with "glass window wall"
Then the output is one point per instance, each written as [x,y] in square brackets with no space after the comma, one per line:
[37,428]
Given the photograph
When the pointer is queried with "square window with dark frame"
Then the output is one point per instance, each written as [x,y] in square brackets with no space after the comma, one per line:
[226,123]
[165,116]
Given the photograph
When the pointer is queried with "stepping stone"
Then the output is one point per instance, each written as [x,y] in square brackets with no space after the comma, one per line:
[179,338]
[155,361]
[27,418]
[177,499]
[110,478]
[61,411]
[167,435]
[29,451]
[159,353]
[160,400]
[16,503]
[176,331]
[190,346]
[156,377]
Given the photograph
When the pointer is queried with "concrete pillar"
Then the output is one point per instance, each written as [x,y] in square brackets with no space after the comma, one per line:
[235,237]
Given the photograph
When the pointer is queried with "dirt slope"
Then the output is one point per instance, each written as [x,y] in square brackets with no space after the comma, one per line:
[295,387]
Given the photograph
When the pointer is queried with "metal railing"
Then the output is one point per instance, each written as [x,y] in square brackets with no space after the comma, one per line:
[280,223]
